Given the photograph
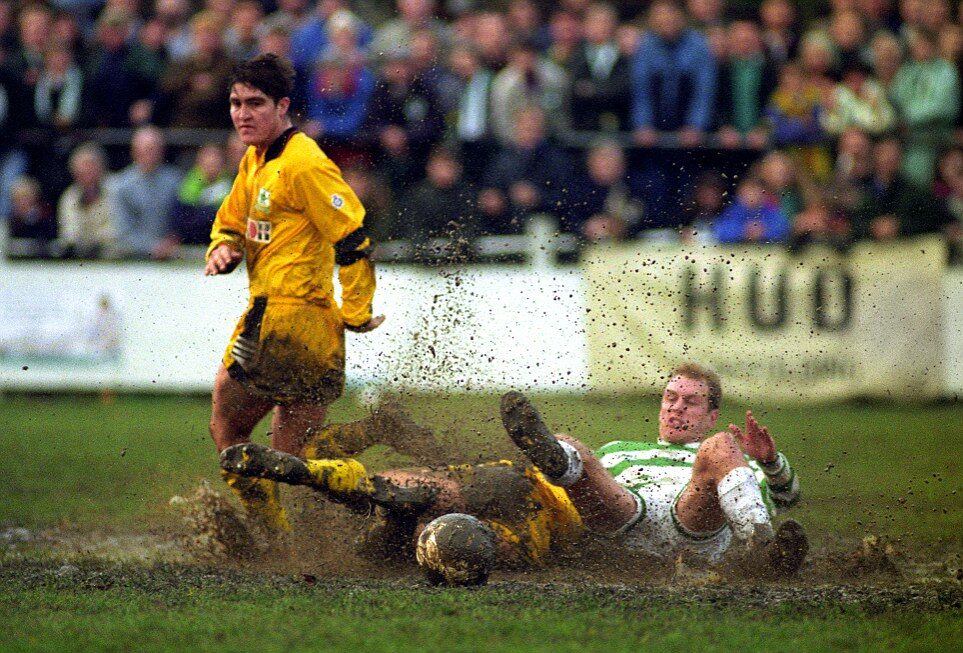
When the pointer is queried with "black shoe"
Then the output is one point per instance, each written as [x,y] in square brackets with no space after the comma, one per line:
[527,430]
[259,461]
[787,551]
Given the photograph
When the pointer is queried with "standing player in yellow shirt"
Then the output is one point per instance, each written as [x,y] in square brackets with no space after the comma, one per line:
[293,217]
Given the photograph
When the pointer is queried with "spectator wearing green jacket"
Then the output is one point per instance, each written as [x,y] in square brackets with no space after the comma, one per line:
[926,93]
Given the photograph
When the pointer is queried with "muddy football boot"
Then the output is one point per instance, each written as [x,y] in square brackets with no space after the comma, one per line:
[787,551]
[258,461]
[527,430]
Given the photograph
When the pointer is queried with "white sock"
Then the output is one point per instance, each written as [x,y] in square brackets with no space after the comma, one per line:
[575,467]
[741,501]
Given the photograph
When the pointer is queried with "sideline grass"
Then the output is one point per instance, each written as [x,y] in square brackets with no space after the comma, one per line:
[139,610]
[81,461]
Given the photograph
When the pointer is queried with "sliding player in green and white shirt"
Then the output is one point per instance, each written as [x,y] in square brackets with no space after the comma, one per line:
[692,491]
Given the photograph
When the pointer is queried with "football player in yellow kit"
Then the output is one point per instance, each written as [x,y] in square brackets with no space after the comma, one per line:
[292,216]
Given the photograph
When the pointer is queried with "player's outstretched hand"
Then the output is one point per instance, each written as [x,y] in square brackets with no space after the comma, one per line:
[755,441]
[223,260]
[370,325]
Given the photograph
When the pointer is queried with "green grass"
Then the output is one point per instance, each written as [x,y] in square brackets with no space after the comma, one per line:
[167,612]
[884,469]
[96,464]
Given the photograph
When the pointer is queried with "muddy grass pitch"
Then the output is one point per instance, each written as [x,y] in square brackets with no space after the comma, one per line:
[92,557]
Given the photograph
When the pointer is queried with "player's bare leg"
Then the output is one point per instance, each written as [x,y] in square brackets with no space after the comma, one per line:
[291,425]
[234,411]
[387,424]
[344,480]
[234,414]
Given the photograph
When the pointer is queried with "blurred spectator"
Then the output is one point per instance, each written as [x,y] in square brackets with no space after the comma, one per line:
[706,13]
[405,117]
[779,29]
[233,153]
[201,192]
[926,93]
[817,224]
[65,30]
[314,36]
[525,22]
[894,205]
[118,76]
[887,53]
[220,9]
[948,186]
[146,195]
[30,217]
[174,16]
[879,15]
[8,37]
[337,97]
[473,122]
[528,79]
[26,63]
[949,189]
[425,58]
[600,75]
[13,160]
[849,38]
[59,91]
[412,16]
[782,181]
[529,176]
[746,80]
[492,38]
[441,206]
[152,38]
[292,15]
[604,205]
[702,208]
[935,15]
[795,113]
[375,196]
[853,171]
[673,79]
[241,37]
[818,61]
[565,29]
[196,88]
[275,39]
[86,210]
[858,101]
[750,218]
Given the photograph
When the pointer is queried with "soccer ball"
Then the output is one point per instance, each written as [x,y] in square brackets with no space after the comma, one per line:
[456,549]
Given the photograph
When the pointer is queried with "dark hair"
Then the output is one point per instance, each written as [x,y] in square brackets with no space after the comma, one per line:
[268,73]
[704,374]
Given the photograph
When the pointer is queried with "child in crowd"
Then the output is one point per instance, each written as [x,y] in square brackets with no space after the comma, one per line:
[751,218]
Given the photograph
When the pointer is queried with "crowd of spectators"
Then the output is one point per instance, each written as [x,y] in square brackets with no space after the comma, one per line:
[778,121]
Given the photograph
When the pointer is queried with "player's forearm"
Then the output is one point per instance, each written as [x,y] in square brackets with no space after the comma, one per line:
[224,237]
[782,480]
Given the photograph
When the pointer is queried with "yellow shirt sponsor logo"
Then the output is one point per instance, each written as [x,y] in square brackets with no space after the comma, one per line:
[259,230]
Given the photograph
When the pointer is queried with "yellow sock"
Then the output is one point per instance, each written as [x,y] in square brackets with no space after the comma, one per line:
[340,440]
[260,499]
[344,476]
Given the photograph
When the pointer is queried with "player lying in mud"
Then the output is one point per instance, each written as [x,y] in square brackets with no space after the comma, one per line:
[710,497]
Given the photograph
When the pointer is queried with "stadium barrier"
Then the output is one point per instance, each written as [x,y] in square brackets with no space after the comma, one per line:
[881,322]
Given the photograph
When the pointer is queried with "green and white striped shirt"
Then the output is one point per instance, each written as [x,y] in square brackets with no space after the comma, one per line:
[638,465]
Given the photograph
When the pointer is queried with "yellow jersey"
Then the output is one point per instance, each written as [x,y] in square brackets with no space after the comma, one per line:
[294,217]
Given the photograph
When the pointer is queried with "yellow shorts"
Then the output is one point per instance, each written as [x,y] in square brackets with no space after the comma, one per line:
[288,350]
[522,507]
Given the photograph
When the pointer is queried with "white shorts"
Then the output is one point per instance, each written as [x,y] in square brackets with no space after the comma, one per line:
[659,532]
